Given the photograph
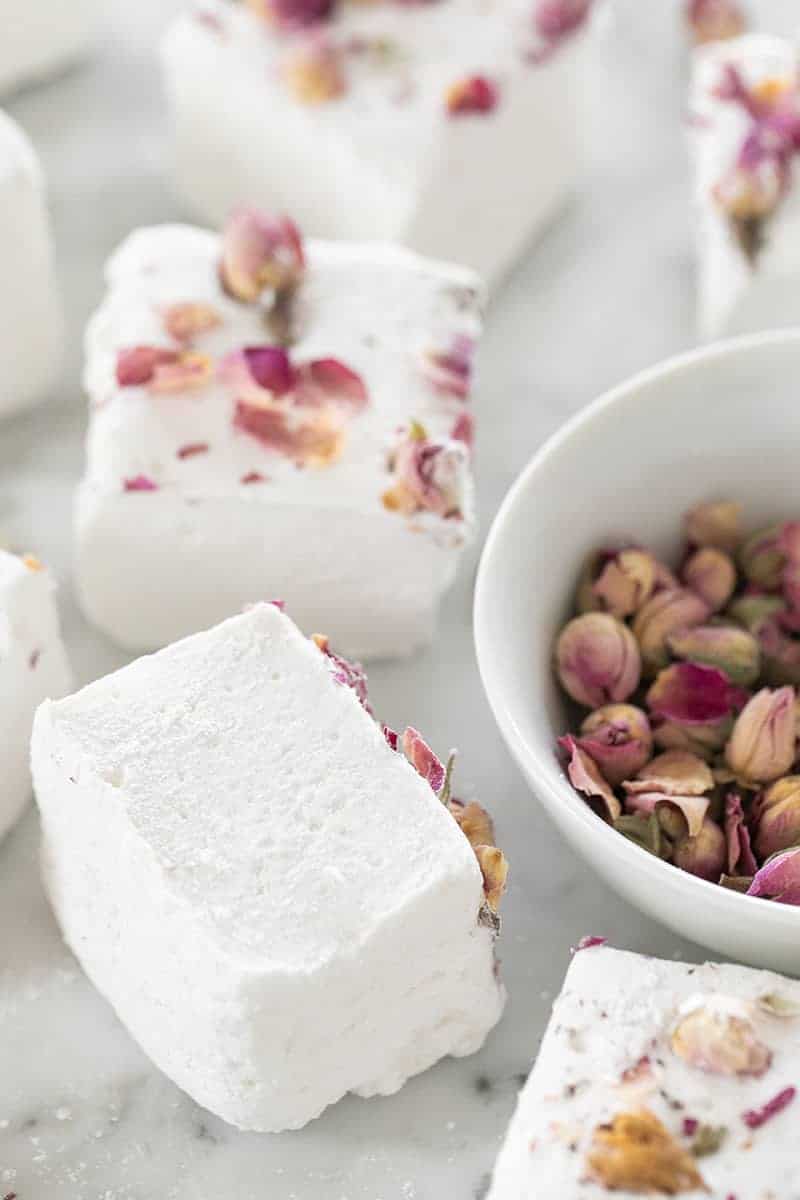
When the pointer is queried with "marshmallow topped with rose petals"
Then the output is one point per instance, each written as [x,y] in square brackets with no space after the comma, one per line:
[279,905]
[224,467]
[30,312]
[745,138]
[451,127]
[40,37]
[33,667]
[659,1079]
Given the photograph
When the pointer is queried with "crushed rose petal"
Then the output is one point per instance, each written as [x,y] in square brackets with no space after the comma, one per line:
[474,94]
[754,1118]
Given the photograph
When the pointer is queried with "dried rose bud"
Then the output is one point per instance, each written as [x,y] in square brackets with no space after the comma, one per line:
[597,660]
[715,524]
[474,94]
[703,740]
[494,868]
[715,20]
[625,582]
[618,738]
[762,558]
[726,647]
[314,70]
[474,822]
[292,14]
[703,855]
[716,1034]
[665,613]
[762,745]
[260,251]
[429,476]
[737,835]
[710,573]
[689,693]
[776,815]
[675,772]
[753,608]
[189,320]
[779,878]
[586,777]
[635,1153]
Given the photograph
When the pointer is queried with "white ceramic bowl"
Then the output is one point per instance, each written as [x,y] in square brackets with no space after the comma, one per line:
[721,422]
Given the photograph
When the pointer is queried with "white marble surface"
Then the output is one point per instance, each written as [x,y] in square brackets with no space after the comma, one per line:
[83,1115]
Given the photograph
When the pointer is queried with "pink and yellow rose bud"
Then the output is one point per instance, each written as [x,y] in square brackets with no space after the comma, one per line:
[712,575]
[260,251]
[762,557]
[715,20]
[665,613]
[779,878]
[726,647]
[625,582]
[619,739]
[762,745]
[716,524]
[776,814]
[703,855]
[598,660]
[717,1034]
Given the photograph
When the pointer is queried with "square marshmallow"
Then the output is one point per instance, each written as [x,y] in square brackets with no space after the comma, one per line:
[205,494]
[33,666]
[660,1079]
[30,312]
[42,36]
[451,127]
[746,198]
[225,822]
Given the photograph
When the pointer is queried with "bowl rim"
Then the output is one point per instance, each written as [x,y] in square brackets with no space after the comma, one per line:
[639,862]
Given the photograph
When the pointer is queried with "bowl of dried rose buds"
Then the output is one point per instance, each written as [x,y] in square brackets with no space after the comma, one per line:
[637,625]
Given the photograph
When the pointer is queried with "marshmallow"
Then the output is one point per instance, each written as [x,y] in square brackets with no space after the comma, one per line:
[746,199]
[452,127]
[33,666]
[659,1078]
[42,36]
[275,901]
[30,313]
[340,484]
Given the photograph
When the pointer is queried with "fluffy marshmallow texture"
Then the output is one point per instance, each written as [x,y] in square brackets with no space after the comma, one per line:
[226,822]
[30,313]
[33,666]
[223,468]
[42,36]
[745,137]
[660,1079]
[449,126]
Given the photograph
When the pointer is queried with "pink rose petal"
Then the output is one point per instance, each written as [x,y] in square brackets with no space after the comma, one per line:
[586,777]
[755,1117]
[140,483]
[422,758]
[741,860]
[691,694]
[779,878]
[474,95]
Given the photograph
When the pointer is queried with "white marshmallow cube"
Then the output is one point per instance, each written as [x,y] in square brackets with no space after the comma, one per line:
[384,159]
[276,903]
[748,270]
[660,1078]
[40,37]
[31,328]
[33,667]
[184,516]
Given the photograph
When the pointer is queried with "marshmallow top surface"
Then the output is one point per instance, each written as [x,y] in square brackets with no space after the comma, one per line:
[269,796]
[375,308]
[607,1050]
[427,47]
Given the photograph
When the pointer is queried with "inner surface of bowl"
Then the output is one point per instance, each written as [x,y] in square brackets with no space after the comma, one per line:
[723,423]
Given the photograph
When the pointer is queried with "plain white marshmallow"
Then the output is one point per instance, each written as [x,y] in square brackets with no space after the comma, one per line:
[610,1049]
[386,160]
[33,667]
[278,906]
[31,320]
[153,566]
